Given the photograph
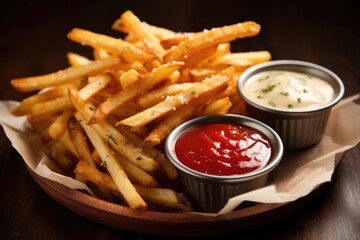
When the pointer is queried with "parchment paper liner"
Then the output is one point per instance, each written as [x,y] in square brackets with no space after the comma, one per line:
[296,176]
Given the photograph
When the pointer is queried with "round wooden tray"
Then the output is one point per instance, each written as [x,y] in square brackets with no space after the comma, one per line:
[169,224]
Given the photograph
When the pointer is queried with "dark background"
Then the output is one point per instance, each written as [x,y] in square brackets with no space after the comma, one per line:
[33,42]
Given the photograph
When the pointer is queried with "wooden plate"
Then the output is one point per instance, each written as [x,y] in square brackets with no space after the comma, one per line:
[171,224]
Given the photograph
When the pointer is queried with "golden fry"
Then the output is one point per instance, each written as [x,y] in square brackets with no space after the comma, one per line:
[76,59]
[129,52]
[142,32]
[211,37]
[59,126]
[68,75]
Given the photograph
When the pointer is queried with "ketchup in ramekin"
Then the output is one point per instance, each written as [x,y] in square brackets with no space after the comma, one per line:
[223,149]
[221,156]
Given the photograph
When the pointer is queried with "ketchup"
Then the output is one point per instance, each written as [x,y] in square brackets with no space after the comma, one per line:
[223,149]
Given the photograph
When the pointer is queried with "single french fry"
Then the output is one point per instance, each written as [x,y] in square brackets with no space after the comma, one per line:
[129,78]
[64,76]
[100,53]
[145,83]
[79,141]
[123,184]
[200,73]
[165,197]
[211,37]
[196,56]
[160,33]
[129,52]
[220,106]
[153,97]
[218,81]
[59,126]
[222,49]
[76,59]
[175,40]
[142,32]
[27,103]
[240,61]
[95,85]
[66,141]
[50,107]
[160,196]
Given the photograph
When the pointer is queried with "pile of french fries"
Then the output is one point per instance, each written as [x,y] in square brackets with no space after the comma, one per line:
[104,120]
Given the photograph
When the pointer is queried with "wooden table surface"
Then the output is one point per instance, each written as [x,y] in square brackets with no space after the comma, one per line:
[33,42]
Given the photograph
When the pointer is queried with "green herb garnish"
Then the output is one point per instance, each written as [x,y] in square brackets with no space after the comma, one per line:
[298,100]
[284,94]
[139,158]
[110,136]
[290,106]
[272,103]
[269,88]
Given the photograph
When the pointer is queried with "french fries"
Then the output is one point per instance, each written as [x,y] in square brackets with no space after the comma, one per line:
[104,118]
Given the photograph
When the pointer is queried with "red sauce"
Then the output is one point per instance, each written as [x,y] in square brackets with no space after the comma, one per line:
[223,149]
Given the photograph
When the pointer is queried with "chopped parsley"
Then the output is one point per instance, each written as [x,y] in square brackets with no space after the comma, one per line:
[139,158]
[110,137]
[269,88]
[305,91]
[290,106]
[298,100]
[284,94]
[272,103]
[193,92]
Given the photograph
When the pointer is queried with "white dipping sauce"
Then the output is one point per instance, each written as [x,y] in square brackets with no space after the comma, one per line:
[287,90]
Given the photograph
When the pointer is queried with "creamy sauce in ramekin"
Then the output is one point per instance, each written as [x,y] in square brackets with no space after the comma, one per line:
[286,90]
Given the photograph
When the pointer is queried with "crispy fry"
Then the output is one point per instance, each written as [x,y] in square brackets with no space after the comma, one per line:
[76,59]
[64,76]
[51,107]
[169,104]
[142,32]
[211,37]
[160,33]
[153,97]
[129,52]
[95,85]
[144,84]
[240,61]
[129,78]
[59,126]
[79,141]
[220,106]
[27,103]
